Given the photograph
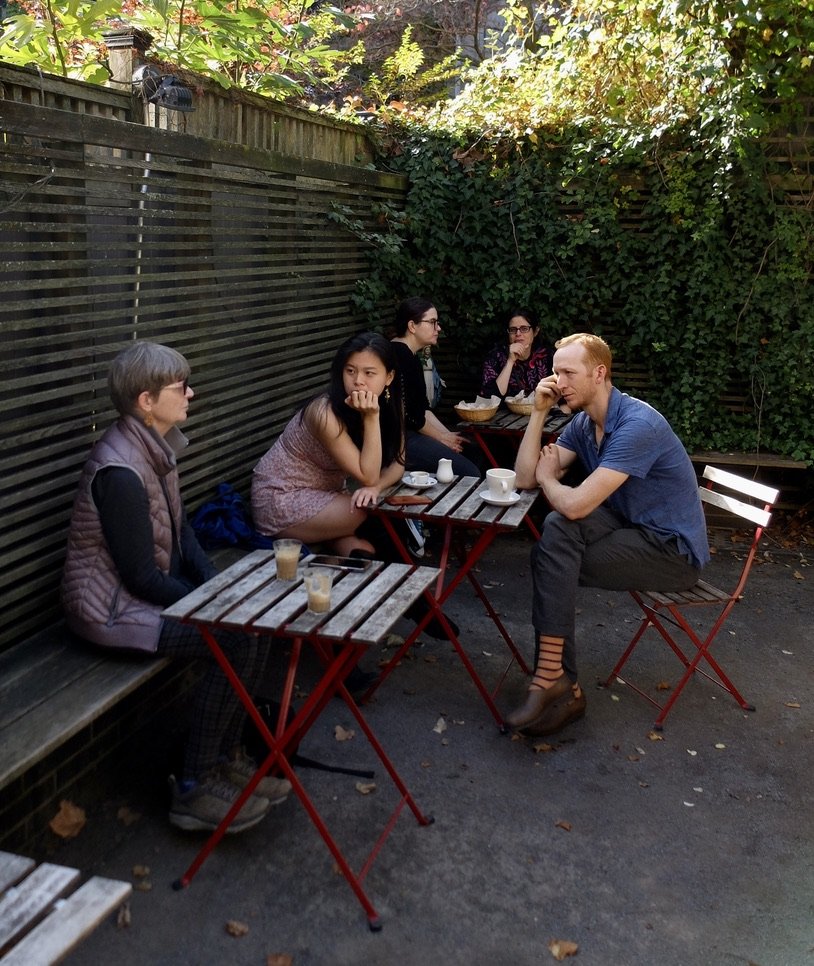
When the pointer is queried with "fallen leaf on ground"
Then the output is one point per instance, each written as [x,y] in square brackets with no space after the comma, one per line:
[235,928]
[393,640]
[792,704]
[798,575]
[690,804]
[633,758]
[655,736]
[127,816]
[566,826]
[343,734]
[691,752]
[141,871]
[543,746]
[143,885]
[426,764]
[68,821]
[664,686]
[365,788]
[123,916]
[720,745]
[440,726]
[279,959]
[486,653]
[561,948]
[430,658]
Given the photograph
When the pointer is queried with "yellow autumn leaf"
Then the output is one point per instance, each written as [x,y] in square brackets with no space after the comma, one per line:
[562,948]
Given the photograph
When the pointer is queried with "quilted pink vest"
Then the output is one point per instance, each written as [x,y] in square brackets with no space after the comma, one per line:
[97,605]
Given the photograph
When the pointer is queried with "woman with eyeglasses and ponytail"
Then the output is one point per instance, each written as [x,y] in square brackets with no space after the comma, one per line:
[428,439]
[518,364]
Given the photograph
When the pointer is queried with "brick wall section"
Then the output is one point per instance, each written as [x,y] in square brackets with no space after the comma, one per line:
[76,769]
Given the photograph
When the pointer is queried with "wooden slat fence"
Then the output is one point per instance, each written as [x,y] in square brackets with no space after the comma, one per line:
[112,230]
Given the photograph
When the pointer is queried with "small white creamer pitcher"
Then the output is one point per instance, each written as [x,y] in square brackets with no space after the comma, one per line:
[444,472]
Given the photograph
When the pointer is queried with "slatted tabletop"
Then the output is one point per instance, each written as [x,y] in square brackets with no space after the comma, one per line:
[460,503]
[43,916]
[249,596]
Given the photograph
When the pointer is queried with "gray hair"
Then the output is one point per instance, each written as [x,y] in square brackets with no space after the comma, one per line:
[143,366]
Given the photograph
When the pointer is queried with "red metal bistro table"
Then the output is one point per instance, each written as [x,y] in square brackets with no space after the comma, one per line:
[511,426]
[508,425]
[364,606]
[455,507]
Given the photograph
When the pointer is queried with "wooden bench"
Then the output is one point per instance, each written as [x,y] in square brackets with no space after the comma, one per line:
[41,918]
[53,686]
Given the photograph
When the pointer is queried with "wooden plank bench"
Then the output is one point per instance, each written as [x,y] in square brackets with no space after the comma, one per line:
[41,918]
[55,687]
[51,687]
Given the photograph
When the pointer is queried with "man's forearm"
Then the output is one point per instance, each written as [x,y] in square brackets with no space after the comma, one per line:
[529,452]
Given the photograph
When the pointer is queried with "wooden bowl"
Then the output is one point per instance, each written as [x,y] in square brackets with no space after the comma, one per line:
[476,415]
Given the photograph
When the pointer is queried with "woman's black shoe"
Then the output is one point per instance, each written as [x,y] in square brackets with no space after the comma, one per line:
[358,681]
[433,627]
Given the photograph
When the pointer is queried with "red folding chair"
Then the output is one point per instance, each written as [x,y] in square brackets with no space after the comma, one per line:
[667,608]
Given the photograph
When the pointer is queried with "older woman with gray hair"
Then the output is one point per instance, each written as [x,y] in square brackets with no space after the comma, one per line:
[131,553]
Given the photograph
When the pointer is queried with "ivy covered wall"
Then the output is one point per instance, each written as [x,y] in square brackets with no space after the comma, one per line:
[693,258]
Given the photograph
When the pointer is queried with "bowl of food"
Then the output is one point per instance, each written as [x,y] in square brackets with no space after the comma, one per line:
[480,411]
[521,405]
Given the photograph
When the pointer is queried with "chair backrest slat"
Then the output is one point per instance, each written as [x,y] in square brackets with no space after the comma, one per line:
[740,484]
[756,514]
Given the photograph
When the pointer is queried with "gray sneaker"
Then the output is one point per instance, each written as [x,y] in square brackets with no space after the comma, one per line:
[203,807]
[241,771]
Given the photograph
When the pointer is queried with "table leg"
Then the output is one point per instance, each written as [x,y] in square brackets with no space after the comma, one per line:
[337,667]
[484,448]
[435,609]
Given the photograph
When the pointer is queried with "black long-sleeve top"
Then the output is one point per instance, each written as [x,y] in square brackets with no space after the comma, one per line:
[124,511]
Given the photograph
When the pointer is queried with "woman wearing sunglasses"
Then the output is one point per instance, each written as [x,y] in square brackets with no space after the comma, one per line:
[518,364]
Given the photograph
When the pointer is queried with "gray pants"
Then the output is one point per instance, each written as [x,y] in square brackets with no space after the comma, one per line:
[601,550]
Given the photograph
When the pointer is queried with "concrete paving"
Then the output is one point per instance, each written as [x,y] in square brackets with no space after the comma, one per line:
[697,848]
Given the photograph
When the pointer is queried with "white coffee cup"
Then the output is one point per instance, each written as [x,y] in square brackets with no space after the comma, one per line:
[501,483]
[419,477]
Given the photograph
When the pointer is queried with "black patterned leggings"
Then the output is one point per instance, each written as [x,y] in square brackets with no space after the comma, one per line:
[217,714]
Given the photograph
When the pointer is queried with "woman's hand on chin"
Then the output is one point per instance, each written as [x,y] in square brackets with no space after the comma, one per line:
[363,401]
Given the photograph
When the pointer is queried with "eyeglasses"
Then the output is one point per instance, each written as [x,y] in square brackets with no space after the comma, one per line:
[183,386]
[518,329]
[433,322]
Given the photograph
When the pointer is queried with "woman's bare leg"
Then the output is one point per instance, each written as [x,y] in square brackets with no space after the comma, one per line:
[336,523]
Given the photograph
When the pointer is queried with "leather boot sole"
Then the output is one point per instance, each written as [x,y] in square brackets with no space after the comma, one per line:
[556,717]
[537,700]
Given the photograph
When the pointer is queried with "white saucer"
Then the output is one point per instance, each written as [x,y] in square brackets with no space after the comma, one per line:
[407,479]
[487,497]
